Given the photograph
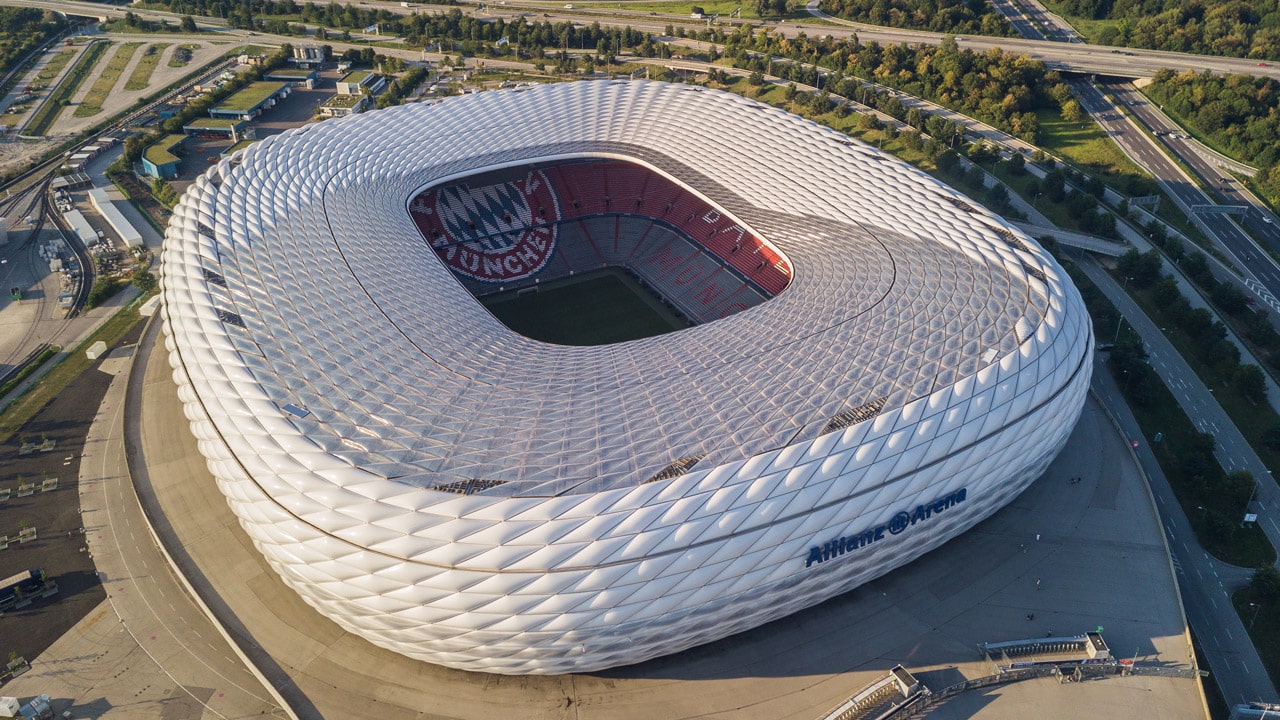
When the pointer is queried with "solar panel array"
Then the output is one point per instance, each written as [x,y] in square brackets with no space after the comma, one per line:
[467,496]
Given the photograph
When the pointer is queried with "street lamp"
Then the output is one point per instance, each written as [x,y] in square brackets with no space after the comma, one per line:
[1202,510]
[1256,607]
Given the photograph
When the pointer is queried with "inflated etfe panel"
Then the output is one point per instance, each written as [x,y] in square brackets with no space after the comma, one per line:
[461,494]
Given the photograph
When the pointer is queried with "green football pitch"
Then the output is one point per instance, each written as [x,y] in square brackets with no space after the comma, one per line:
[598,308]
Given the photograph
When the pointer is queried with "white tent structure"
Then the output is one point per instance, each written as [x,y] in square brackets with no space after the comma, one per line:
[458,493]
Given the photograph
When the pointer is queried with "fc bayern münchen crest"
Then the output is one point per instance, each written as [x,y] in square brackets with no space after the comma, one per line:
[495,233]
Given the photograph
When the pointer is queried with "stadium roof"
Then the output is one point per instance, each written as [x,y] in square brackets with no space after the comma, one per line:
[925,358]
[901,287]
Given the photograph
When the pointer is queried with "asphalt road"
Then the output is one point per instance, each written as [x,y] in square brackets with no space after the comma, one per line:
[1208,600]
[1080,57]
[1057,30]
[1260,272]
[1229,190]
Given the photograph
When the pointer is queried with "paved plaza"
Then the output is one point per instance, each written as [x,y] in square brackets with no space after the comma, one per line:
[1071,556]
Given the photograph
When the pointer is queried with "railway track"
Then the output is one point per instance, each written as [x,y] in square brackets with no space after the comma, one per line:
[24,253]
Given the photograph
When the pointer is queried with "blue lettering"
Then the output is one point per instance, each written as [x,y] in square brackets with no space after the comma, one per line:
[848,543]
[815,556]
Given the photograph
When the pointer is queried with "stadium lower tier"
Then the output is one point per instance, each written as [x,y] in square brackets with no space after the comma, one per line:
[822,530]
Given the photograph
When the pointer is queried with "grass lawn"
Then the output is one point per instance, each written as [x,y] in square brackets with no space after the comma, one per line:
[74,363]
[53,67]
[1088,27]
[712,7]
[48,112]
[140,78]
[593,309]
[102,87]
[251,95]
[1086,146]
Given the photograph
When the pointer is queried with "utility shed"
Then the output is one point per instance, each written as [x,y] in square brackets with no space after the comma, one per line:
[106,207]
[82,228]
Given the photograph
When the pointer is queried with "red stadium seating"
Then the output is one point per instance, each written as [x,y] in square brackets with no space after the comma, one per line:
[708,267]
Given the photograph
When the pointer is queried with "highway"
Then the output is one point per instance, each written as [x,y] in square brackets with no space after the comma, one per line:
[1180,187]
[1079,57]
[1260,272]
[1230,190]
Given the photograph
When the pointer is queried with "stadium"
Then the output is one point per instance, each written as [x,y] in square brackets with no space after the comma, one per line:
[563,378]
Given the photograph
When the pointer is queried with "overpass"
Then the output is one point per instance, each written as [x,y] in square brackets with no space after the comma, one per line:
[1092,243]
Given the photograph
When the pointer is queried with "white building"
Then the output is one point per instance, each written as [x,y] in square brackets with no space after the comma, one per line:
[461,494]
[360,82]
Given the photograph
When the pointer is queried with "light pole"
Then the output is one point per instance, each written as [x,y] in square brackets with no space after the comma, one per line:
[1256,607]
[1202,510]
[1119,324]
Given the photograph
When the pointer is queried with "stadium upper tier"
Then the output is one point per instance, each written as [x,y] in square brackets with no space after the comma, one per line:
[454,491]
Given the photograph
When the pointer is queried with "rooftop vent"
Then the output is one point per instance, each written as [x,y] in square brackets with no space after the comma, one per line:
[677,468]
[853,416]
[469,487]
[1011,239]
[213,277]
[230,318]
[959,203]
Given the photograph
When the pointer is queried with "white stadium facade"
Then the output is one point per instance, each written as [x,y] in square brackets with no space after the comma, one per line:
[872,365]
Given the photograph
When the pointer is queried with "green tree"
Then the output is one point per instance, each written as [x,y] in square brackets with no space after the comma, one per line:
[1142,269]
[1017,164]
[1266,583]
[1271,437]
[144,280]
[188,24]
[1072,112]
[1251,383]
